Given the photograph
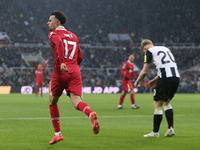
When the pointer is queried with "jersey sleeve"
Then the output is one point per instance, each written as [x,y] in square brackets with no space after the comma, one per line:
[148,57]
[80,57]
[55,39]
[123,69]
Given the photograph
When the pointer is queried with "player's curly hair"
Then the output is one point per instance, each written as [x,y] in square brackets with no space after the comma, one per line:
[60,16]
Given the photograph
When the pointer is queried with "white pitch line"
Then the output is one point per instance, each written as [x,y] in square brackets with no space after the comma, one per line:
[137,116]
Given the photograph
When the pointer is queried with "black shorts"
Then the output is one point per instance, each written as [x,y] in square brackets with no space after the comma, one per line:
[165,88]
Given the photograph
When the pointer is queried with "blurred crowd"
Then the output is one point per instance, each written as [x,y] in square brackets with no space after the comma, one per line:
[190,82]
[97,58]
[162,22]
[91,20]
[99,67]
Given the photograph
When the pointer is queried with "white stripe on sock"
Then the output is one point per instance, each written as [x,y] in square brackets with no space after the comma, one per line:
[55,118]
[167,107]
[85,108]
[158,112]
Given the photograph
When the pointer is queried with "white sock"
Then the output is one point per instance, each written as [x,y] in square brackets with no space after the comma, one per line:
[133,105]
[57,133]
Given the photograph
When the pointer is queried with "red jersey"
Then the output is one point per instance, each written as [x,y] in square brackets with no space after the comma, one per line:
[66,49]
[39,72]
[127,70]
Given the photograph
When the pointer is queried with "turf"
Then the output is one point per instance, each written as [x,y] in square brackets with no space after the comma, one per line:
[25,123]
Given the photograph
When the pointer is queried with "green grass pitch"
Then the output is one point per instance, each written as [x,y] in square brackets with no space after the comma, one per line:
[25,123]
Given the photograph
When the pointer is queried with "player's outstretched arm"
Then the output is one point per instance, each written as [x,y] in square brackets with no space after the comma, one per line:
[142,74]
[123,70]
[36,65]
[45,64]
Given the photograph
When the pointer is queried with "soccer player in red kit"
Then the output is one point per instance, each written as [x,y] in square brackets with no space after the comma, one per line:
[39,77]
[66,73]
[127,73]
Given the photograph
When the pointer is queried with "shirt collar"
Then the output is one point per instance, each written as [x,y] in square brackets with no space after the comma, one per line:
[130,62]
[60,28]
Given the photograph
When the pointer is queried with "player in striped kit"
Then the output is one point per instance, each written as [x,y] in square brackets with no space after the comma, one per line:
[166,83]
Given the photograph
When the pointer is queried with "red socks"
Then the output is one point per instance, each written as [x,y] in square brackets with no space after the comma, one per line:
[132,98]
[55,116]
[121,100]
[84,108]
[36,91]
[41,91]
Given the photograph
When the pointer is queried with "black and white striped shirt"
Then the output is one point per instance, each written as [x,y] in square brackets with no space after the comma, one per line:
[164,61]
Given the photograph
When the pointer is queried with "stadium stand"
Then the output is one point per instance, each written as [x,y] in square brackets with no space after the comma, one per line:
[168,23]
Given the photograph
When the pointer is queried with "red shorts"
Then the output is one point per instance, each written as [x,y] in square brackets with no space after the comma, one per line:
[39,83]
[127,85]
[71,82]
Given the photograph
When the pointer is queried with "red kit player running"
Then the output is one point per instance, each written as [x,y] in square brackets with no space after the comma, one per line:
[66,73]
[127,73]
[39,77]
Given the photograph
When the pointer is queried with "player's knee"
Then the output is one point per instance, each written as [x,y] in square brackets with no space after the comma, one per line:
[53,100]
[76,107]
[76,102]
[132,91]
[75,99]
[52,103]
